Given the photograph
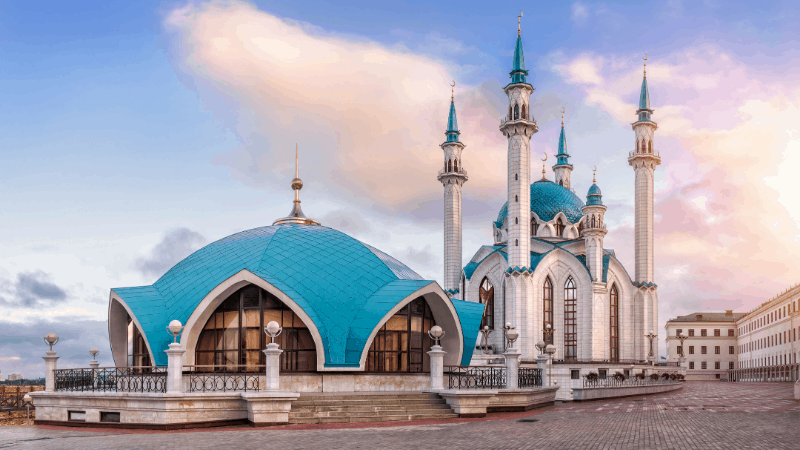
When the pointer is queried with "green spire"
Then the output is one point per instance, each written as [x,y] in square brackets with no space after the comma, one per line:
[519,73]
[644,96]
[563,156]
[452,124]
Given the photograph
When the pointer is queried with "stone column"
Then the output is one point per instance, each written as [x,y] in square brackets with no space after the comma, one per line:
[50,371]
[94,364]
[541,364]
[437,367]
[273,353]
[512,368]
[175,368]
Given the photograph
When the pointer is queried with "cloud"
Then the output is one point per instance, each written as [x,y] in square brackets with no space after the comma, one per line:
[176,245]
[579,12]
[31,290]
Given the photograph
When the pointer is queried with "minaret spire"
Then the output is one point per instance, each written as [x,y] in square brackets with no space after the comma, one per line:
[296,216]
[562,170]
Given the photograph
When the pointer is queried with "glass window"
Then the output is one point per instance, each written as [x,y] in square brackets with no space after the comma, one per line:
[570,321]
[575,374]
[730,365]
[547,309]
[691,332]
[559,228]
[716,350]
[691,364]
[730,332]
[486,295]
[703,332]
[730,350]
[402,342]
[137,353]
[717,333]
[680,350]
[703,350]
[603,373]
[703,365]
[716,365]
[614,325]
[691,349]
[678,332]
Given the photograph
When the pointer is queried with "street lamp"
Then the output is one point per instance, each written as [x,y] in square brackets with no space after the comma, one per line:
[548,334]
[436,333]
[175,329]
[486,332]
[550,350]
[273,330]
[94,352]
[27,399]
[51,339]
[651,336]
[681,338]
[511,335]
[541,345]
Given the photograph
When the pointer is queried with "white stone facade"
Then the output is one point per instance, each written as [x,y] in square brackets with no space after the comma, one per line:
[710,347]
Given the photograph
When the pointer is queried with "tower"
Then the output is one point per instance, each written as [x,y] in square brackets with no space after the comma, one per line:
[562,169]
[644,160]
[452,176]
[594,231]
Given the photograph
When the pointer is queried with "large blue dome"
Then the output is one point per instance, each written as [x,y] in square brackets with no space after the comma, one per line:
[547,200]
[344,285]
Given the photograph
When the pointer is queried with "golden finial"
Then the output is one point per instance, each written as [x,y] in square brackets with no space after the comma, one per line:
[645,65]
[452,91]
[594,175]
[519,24]
[563,110]
[543,161]
[296,162]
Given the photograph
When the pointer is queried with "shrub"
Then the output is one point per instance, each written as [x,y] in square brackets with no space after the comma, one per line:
[654,377]
[592,377]
[619,376]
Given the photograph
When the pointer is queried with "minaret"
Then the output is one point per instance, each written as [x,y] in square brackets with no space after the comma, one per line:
[296,216]
[452,176]
[644,160]
[594,231]
[562,169]
[518,127]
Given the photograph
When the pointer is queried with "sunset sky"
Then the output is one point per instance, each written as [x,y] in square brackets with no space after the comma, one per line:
[133,133]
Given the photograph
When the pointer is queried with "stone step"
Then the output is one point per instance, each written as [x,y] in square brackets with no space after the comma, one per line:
[357,419]
[365,402]
[383,413]
[356,408]
[367,396]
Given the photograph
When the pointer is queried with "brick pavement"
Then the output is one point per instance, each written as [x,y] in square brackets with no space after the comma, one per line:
[767,420]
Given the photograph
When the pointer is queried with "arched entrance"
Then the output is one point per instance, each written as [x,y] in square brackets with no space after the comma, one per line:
[402,343]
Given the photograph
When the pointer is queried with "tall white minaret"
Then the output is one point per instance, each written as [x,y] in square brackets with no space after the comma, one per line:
[453,176]
[518,127]
[644,160]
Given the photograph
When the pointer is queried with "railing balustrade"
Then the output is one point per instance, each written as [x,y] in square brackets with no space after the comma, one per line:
[627,382]
[529,377]
[775,373]
[475,377]
[224,378]
[112,379]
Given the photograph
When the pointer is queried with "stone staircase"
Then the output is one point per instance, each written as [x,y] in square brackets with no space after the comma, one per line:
[349,407]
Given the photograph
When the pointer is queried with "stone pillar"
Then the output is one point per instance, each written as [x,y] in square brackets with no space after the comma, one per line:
[541,364]
[512,368]
[175,368]
[50,371]
[273,353]
[437,367]
[94,364]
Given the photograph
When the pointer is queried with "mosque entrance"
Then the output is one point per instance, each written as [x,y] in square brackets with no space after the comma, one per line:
[402,343]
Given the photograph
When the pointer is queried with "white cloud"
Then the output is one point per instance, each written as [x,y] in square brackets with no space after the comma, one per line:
[579,12]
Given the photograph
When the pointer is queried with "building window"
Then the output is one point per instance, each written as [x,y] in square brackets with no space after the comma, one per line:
[730,365]
[575,374]
[559,227]
[716,350]
[234,336]
[703,332]
[603,373]
[680,350]
[730,332]
[534,227]
[137,353]
[691,349]
[547,309]
[402,342]
[730,350]
[516,112]
[691,332]
[716,365]
[486,295]
[678,332]
[691,365]
[614,325]
[716,333]
[570,322]
[703,350]
[703,365]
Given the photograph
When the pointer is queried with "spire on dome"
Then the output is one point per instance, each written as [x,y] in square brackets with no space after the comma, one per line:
[644,96]
[519,73]
[594,196]
[296,216]
[452,124]
[563,156]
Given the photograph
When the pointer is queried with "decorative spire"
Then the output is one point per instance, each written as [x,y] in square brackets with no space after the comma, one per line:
[594,175]
[452,124]
[519,73]
[594,197]
[296,216]
[563,156]
[543,163]
[644,96]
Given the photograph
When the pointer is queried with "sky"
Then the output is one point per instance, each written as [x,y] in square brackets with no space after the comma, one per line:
[133,134]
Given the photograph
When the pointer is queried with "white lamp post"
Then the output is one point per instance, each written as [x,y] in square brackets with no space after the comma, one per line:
[273,356]
[436,354]
[27,399]
[175,358]
[550,350]
[50,363]
[512,357]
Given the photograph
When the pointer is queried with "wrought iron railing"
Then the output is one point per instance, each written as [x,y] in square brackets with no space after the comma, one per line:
[475,377]
[627,382]
[232,378]
[529,377]
[594,361]
[112,379]
[453,172]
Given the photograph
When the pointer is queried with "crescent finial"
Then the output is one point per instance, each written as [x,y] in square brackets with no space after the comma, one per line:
[645,56]
[545,157]
[452,90]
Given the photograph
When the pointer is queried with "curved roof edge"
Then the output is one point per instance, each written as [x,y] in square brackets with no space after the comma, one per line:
[470,315]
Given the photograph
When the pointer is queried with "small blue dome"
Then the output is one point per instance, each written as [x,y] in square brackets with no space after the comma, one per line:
[547,200]
[594,197]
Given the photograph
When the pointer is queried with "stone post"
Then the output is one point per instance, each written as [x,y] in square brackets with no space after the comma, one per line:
[50,371]
[273,353]
[437,367]
[94,364]
[541,364]
[512,368]
[175,368]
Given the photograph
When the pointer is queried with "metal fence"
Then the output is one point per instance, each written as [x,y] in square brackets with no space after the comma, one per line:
[475,377]
[112,379]
[627,382]
[777,373]
[229,378]
[529,377]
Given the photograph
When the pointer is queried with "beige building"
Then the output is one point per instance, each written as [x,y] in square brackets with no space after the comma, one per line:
[710,347]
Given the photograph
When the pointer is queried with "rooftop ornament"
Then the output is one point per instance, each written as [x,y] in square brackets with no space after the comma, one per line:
[175,329]
[436,333]
[486,332]
[51,339]
[273,330]
[296,216]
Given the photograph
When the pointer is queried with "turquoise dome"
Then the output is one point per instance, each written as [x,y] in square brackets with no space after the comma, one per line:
[594,196]
[547,200]
[344,285]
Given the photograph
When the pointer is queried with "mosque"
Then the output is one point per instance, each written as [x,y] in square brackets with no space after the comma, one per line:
[347,307]
[547,272]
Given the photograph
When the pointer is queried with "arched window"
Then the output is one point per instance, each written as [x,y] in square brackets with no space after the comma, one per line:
[559,227]
[516,198]
[510,113]
[570,320]
[402,342]
[580,226]
[516,242]
[561,182]
[516,220]
[614,323]
[524,116]
[516,112]
[516,176]
[593,222]
[138,355]
[234,336]
[650,147]
[455,165]
[547,309]
[534,227]
[450,165]
[486,296]
[637,146]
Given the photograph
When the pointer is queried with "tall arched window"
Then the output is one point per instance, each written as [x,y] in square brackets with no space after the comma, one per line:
[559,227]
[516,198]
[614,323]
[593,222]
[524,116]
[455,165]
[561,182]
[450,165]
[234,336]
[570,320]
[510,112]
[402,342]
[547,309]
[486,296]
[516,220]
[637,146]
[516,112]
[138,355]
[650,147]
[534,227]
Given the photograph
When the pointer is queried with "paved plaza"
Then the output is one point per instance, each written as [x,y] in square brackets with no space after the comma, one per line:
[703,415]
